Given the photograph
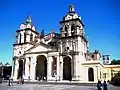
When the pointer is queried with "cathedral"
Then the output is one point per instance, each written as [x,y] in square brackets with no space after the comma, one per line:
[55,56]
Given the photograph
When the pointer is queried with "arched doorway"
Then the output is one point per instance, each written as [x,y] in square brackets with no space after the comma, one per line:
[67,68]
[90,74]
[41,67]
[20,71]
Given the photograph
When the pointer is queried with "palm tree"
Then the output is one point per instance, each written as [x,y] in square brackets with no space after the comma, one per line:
[1,64]
[7,64]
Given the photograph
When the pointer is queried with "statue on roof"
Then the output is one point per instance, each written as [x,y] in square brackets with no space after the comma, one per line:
[42,34]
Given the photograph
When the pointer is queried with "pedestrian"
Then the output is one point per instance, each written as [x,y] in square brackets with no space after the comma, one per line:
[9,82]
[12,81]
[0,80]
[21,80]
[105,86]
[99,85]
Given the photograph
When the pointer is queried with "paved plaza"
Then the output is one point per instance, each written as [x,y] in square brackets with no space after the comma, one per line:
[50,87]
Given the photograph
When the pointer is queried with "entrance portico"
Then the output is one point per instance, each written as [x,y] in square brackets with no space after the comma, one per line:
[67,75]
[41,67]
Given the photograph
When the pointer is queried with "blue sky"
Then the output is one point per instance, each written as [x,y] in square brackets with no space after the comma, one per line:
[100,17]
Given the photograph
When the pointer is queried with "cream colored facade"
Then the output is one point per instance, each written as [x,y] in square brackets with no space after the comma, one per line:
[63,56]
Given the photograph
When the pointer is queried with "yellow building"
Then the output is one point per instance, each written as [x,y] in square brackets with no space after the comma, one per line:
[97,70]
[109,71]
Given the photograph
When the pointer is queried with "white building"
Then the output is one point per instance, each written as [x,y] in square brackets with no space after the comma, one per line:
[63,56]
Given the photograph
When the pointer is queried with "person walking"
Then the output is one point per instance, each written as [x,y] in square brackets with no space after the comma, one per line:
[0,80]
[105,87]
[9,82]
[99,85]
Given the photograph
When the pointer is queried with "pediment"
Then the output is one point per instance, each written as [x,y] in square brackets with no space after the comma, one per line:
[41,47]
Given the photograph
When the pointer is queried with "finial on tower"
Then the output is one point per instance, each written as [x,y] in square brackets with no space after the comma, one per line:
[28,20]
[71,8]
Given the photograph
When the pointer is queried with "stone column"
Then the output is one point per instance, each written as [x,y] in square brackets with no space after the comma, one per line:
[27,68]
[58,67]
[33,68]
[72,68]
[61,68]
[16,70]
[75,66]
[13,70]
[49,65]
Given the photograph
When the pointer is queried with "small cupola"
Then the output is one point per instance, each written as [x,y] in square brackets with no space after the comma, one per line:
[71,8]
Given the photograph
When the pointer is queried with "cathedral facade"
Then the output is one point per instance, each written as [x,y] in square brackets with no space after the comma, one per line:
[54,56]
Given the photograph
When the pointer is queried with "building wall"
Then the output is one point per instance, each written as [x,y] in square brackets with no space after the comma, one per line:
[109,71]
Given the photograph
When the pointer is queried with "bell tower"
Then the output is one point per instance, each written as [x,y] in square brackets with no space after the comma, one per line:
[25,37]
[71,24]
[71,29]
[72,41]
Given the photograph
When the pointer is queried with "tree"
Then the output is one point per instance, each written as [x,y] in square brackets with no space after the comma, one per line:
[116,79]
[115,62]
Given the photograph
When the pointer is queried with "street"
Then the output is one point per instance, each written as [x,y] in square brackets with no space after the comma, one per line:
[50,87]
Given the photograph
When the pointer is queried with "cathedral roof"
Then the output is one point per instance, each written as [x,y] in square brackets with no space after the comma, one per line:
[41,44]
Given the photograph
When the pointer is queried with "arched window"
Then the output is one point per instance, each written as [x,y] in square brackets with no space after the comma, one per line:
[65,28]
[24,37]
[72,29]
[31,37]
[20,38]
[92,56]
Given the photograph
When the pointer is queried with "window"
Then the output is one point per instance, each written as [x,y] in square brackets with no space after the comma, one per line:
[29,64]
[92,56]
[72,33]
[104,74]
[85,55]
[65,34]
[72,27]
[103,58]
[20,38]
[72,30]
[24,37]
[31,37]
[65,28]
[67,48]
